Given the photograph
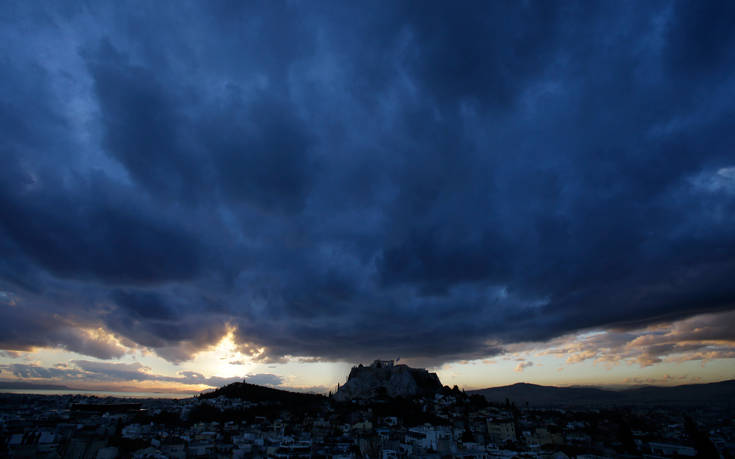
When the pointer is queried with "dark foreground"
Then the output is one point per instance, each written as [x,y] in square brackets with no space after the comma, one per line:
[248,421]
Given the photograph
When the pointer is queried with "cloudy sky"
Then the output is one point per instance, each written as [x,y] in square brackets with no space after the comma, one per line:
[193,193]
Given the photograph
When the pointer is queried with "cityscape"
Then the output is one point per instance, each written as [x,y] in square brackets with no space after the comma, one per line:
[383,229]
[378,413]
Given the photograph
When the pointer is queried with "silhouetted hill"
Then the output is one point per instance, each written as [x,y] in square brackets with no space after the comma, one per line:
[255,393]
[535,395]
[521,393]
[723,391]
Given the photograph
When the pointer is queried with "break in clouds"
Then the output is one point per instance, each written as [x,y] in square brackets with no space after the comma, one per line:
[432,181]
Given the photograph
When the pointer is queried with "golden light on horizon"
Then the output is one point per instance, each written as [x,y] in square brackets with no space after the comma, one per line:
[224,359]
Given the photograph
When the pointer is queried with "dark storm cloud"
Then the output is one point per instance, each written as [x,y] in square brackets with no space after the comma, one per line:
[345,183]
[25,324]
[142,304]
[253,151]
[484,52]
[92,231]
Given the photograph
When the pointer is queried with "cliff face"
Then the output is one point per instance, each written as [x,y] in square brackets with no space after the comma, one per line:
[393,381]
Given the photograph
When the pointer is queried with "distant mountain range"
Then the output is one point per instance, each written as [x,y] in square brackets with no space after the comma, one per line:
[540,396]
[722,393]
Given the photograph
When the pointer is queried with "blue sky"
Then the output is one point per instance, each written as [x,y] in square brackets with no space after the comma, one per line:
[299,186]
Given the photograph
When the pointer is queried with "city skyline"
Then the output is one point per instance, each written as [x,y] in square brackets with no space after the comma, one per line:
[196,193]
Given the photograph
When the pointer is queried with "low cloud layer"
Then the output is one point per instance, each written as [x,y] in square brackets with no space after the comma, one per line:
[107,373]
[360,181]
[701,338]
[265,379]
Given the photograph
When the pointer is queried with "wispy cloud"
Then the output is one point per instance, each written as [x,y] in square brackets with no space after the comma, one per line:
[705,337]
[523,365]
